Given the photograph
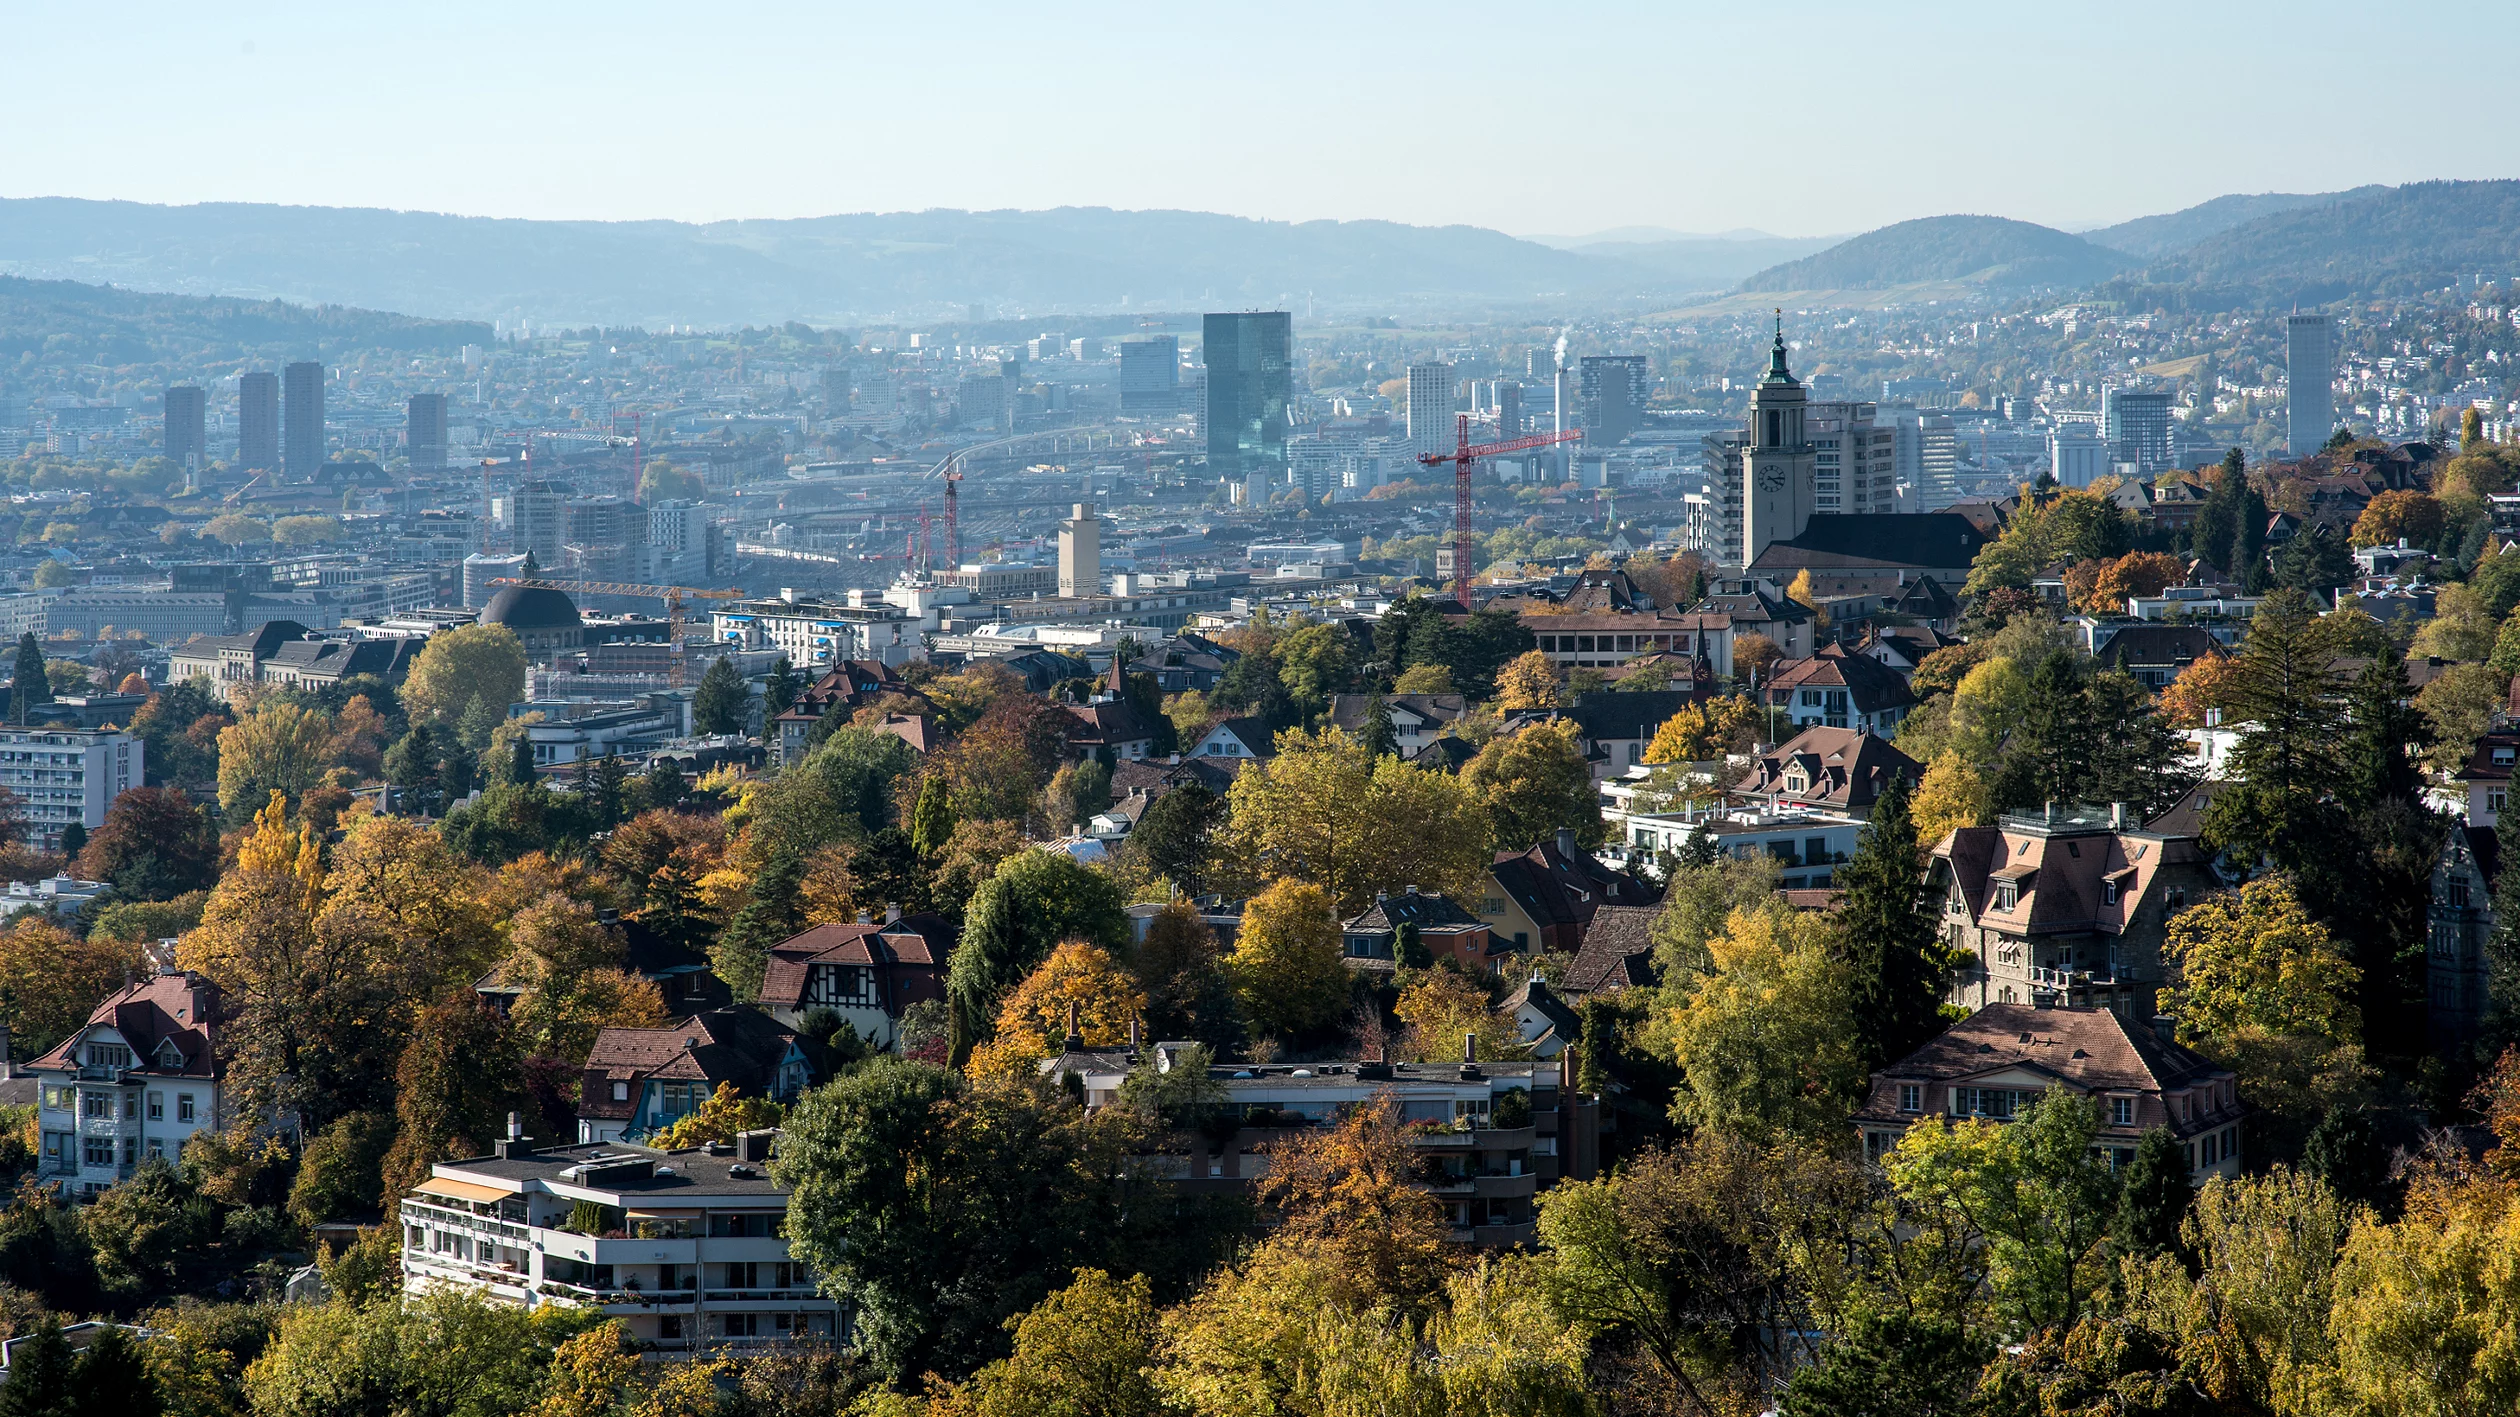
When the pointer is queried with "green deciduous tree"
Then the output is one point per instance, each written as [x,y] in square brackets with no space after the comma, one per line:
[1287,968]
[1326,811]
[1036,900]
[474,671]
[1534,781]
[2033,1189]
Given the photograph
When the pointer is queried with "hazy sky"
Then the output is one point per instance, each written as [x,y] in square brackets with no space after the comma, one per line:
[1553,116]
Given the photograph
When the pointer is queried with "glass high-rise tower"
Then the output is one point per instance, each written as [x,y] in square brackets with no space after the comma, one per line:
[1249,386]
[302,418]
[2310,382]
[258,420]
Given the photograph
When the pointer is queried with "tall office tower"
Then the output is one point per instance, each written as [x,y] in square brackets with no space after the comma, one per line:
[2137,427]
[1080,553]
[985,402]
[258,420]
[534,515]
[1613,388]
[302,418]
[1150,375]
[1779,466]
[1249,386]
[481,568]
[1431,409]
[187,428]
[1509,410]
[835,390]
[426,419]
[2310,383]
[1938,460]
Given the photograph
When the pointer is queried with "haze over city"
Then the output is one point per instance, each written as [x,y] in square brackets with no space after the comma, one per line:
[1603,710]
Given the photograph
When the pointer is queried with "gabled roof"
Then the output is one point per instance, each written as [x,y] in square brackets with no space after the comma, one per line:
[2093,1049]
[1349,711]
[1617,953]
[913,944]
[1258,739]
[261,642]
[1106,724]
[1870,685]
[169,1021]
[1931,541]
[1846,768]
[1536,995]
[743,1046]
[2157,645]
[1615,714]
[1424,909]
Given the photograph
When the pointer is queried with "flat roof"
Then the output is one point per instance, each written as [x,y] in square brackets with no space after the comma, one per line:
[679,1175]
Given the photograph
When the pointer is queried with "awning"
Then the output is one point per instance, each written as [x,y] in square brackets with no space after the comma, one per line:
[461,1190]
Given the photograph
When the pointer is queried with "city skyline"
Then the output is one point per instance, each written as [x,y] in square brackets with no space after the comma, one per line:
[592,139]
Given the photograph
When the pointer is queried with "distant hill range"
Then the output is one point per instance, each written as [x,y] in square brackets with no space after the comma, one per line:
[2378,242]
[2151,236]
[822,269]
[67,323]
[1980,250]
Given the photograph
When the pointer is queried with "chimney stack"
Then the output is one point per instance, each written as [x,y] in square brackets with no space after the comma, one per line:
[2165,1028]
[1566,842]
[1075,1039]
[1470,1046]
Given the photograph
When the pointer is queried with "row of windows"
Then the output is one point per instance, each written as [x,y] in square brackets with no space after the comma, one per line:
[1612,644]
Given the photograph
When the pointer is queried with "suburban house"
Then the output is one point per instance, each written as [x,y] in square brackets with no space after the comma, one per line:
[1416,719]
[638,1081]
[1840,770]
[2064,906]
[1547,1024]
[1248,739]
[1903,647]
[1447,931]
[1839,688]
[1619,725]
[2458,922]
[849,686]
[1618,952]
[1996,1062]
[135,1082]
[686,1248]
[1543,900]
[869,973]
[2154,653]
[2485,777]
[1491,1135]
[1110,730]
[1186,662]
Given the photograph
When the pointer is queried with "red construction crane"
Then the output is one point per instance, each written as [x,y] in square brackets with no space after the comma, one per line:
[953,516]
[1463,457]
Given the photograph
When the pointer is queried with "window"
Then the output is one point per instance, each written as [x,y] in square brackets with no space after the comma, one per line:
[621,1092]
[1911,1097]
[2109,892]
[2458,895]
[96,1151]
[739,1325]
[2494,798]
[157,1106]
[2007,895]
[183,1107]
[157,1148]
[2122,1111]
[669,1326]
[743,1276]
[108,1055]
[96,1104]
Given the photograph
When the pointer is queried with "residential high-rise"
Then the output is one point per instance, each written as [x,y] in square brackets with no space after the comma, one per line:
[1509,409]
[535,518]
[1249,386]
[302,418]
[426,414]
[258,420]
[2077,455]
[1080,553]
[1613,389]
[187,427]
[1796,460]
[1150,375]
[2137,427]
[1431,416]
[2310,383]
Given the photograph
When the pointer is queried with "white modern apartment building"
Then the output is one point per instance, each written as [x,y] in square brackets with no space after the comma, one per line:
[65,775]
[685,1248]
[821,632]
[1431,421]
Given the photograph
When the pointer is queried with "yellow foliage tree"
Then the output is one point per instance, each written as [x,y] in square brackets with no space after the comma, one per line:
[1766,1040]
[1953,794]
[1032,1022]
[1287,967]
[1528,681]
[1801,593]
[278,747]
[1325,810]
[726,1113]
[1442,1008]
[1701,732]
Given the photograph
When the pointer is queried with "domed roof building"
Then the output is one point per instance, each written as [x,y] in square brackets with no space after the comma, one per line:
[544,620]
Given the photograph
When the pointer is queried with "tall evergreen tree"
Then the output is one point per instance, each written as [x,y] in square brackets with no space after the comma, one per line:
[1380,739]
[780,689]
[2137,756]
[2248,540]
[2385,735]
[2218,521]
[722,702]
[2048,757]
[1885,934]
[771,915]
[42,1375]
[31,687]
[110,1377]
[411,765]
[932,821]
[608,794]
[520,764]
[2284,809]
[2153,1199]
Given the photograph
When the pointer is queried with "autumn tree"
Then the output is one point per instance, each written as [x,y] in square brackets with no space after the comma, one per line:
[51,980]
[2415,517]
[1534,781]
[453,1089]
[1352,1195]
[1703,732]
[1442,1009]
[1768,1040]
[1288,966]
[1033,1020]
[1326,811]
[1085,1351]
[1182,968]
[279,747]
[2259,985]
[2034,1189]
[1528,682]
[466,677]
[154,845]
[1036,900]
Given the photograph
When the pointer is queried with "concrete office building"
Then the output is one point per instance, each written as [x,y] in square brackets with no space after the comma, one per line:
[302,418]
[426,432]
[1150,375]
[1080,553]
[1509,409]
[2137,427]
[1431,414]
[983,401]
[481,568]
[187,428]
[2077,455]
[257,420]
[1249,386]
[1613,389]
[2310,383]
[535,518]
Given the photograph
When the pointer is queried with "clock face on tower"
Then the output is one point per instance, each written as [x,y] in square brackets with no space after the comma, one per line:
[1771,479]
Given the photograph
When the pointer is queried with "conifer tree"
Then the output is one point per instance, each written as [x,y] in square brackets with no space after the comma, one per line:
[41,1373]
[1885,935]
[932,821]
[31,686]
[1380,740]
[2153,1200]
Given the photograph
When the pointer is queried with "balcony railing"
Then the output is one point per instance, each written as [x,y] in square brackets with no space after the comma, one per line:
[2102,977]
[464,1220]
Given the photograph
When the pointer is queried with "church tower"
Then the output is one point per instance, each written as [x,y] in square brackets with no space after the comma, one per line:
[1778,466]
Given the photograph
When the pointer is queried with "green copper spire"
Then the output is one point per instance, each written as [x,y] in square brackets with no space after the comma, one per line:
[1777,372]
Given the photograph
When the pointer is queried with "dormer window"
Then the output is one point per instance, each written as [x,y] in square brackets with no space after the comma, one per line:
[108,1055]
[2007,895]
[2502,757]
[2108,892]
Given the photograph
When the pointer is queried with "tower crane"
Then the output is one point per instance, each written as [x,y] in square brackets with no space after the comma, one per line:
[672,595]
[1465,456]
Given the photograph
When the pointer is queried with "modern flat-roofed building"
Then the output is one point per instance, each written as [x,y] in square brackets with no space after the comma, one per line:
[2309,382]
[2136,425]
[1431,416]
[65,775]
[1150,375]
[1249,385]
[187,427]
[302,418]
[1612,389]
[257,420]
[685,1248]
[426,431]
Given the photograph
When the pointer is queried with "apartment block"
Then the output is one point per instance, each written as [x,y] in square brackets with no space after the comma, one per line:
[63,775]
